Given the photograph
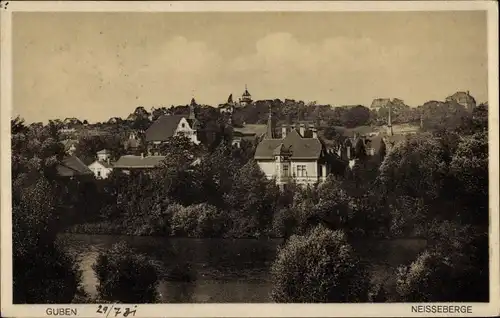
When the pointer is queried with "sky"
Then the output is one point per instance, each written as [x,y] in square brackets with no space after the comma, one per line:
[99,65]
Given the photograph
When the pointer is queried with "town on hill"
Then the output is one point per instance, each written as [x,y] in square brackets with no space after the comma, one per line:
[378,198]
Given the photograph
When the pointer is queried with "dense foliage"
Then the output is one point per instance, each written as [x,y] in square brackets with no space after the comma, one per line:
[42,271]
[126,276]
[319,267]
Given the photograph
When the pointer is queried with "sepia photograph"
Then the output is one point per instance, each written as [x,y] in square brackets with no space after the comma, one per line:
[265,154]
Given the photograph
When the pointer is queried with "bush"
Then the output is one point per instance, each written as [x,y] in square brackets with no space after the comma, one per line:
[319,267]
[428,279]
[45,275]
[200,220]
[126,276]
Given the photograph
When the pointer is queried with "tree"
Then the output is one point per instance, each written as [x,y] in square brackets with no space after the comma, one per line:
[469,168]
[319,267]
[356,116]
[415,167]
[126,276]
[428,279]
[42,271]
[251,201]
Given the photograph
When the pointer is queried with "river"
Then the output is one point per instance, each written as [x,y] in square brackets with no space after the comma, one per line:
[227,270]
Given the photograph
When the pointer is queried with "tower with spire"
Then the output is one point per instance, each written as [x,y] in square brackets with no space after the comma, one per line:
[246,98]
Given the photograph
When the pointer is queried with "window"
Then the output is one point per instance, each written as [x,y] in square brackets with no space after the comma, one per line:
[285,171]
[301,171]
[99,173]
[183,125]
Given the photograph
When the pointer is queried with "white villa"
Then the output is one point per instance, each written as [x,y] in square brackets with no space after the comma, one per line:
[102,167]
[293,156]
[174,125]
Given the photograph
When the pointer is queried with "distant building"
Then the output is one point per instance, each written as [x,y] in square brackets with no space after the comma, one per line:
[102,167]
[464,99]
[133,142]
[71,167]
[380,103]
[69,146]
[293,156]
[168,126]
[130,163]
[249,132]
[246,98]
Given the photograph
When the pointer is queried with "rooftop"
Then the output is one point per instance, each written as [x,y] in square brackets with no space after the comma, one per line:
[138,162]
[300,148]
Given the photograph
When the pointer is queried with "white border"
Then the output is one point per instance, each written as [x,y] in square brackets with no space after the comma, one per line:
[246,310]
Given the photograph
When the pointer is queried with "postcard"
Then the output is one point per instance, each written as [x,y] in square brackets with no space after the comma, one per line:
[249,159]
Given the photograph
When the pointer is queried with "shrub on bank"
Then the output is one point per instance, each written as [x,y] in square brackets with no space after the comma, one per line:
[319,267]
[199,220]
[126,276]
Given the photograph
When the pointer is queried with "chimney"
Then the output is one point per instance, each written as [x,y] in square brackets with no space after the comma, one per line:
[283,131]
[142,155]
[315,132]
[108,161]
[302,129]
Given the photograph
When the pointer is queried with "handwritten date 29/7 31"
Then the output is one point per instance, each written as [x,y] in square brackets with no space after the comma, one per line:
[117,311]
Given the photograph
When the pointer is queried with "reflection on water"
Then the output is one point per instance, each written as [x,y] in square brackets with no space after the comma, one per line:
[225,270]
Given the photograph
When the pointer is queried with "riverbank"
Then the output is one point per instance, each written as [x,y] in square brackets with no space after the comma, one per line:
[225,270]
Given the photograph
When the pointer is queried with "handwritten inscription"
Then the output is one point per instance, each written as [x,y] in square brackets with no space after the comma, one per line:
[117,311]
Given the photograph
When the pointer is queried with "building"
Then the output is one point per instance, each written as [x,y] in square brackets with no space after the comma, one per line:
[464,99]
[130,163]
[249,132]
[102,167]
[293,156]
[133,142]
[69,146]
[246,98]
[168,126]
[71,167]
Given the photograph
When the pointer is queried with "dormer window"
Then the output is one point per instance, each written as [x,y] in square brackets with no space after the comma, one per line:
[183,125]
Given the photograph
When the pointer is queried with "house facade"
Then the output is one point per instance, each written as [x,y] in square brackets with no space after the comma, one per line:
[293,156]
[102,167]
[168,126]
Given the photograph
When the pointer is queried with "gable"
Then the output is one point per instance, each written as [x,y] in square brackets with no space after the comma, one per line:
[183,126]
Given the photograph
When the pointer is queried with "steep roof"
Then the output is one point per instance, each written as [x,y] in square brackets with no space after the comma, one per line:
[301,148]
[163,128]
[72,166]
[138,162]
